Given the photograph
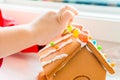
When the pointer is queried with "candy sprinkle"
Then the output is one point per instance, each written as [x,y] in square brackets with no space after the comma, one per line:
[99,47]
[90,37]
[108,60]
[76,33]
[56,47]
[94,42]
[112,64]
[70,28]
[52,43]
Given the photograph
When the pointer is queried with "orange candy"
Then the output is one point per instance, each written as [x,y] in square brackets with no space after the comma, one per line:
[56,47]
[90,37]
[112,64]
[83,37]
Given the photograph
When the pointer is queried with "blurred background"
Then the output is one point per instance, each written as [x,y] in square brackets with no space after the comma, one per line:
[114,3]
[90,2]
[100,17]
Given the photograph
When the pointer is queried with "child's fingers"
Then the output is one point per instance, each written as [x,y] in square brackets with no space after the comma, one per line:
[67,13]
[69,8]
[78,26]
[67,17]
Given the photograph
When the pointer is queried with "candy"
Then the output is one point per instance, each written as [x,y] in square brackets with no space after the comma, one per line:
[90,37]
[52,43]
[108,60]
[83,37]
[94,42]
[70,28]
[112,64]
[99,47]
[56,47]
[76,33]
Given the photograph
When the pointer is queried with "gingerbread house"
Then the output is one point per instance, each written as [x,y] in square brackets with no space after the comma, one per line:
[74,56]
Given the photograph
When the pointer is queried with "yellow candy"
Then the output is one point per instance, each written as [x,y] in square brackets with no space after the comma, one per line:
[112,64]
[90,37]
[69,28]
[76,33]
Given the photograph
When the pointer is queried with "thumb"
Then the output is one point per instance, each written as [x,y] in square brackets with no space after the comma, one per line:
[67,17]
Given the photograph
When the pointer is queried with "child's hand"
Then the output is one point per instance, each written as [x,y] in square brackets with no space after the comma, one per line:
[51,24]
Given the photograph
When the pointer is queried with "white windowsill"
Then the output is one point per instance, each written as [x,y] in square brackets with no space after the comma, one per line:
[103,26]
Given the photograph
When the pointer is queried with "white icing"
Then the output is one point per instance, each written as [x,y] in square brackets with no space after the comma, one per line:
[82,43]
[54,59]
[65,43]
[59,40]
[43,56]
[63,38]
[61,46]
[88,49]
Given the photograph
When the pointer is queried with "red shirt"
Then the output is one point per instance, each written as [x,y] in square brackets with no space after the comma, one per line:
[9,22]
[1,60]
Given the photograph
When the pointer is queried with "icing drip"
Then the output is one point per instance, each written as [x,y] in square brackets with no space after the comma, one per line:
[52,51]
[54,59]
[82,43]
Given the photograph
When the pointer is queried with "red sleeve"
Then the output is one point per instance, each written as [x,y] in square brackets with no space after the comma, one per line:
[10,22]
[1,19]
[31,49]
[5,21]
[1,60]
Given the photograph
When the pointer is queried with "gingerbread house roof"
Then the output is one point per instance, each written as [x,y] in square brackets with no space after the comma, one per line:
[53,61]
[100,57]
